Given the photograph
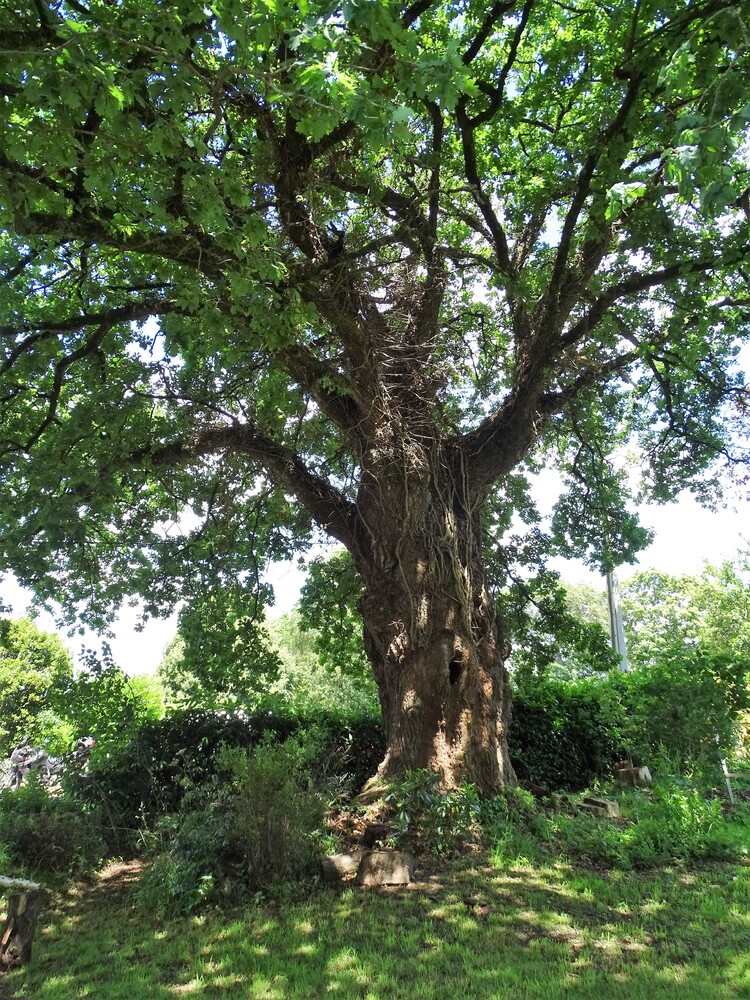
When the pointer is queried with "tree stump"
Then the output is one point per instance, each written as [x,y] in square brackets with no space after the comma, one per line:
[600,807]
[25,902]
[634,776]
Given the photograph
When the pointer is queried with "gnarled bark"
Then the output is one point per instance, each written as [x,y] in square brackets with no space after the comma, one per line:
[431,629]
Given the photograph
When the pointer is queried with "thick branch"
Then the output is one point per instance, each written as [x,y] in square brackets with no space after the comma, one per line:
[560,271]
[482,199]
[69,324]
[415,11]
[326,505]
[313,375]
[494,14]
[642,281]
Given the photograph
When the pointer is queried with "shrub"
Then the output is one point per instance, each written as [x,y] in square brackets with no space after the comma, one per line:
[257,823]
[686,708]
[675,823]
[565,735]
[431,820]
[149,777]
[685,712]
[51,834]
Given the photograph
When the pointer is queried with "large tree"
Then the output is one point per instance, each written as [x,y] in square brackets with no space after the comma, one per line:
[270,265]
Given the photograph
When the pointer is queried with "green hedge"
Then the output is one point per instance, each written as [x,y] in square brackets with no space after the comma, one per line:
[148,778]
[683,713]
[564,735]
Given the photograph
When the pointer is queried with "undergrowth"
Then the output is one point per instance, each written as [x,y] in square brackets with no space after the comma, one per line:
[672,822]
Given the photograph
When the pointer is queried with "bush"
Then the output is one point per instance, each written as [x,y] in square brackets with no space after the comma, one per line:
[687,709]
[675,823]
[431,820]
[50,834]
[565,735]
[257,823]
[149,777]
[683,712]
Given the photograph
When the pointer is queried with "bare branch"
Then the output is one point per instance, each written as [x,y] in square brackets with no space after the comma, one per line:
[494,14]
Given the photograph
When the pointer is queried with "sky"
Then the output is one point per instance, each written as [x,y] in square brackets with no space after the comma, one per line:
[686,537]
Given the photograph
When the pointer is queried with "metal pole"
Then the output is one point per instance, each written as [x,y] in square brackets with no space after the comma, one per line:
[616,630]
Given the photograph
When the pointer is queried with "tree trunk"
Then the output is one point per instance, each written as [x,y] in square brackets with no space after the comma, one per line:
[24,906]
[432,633]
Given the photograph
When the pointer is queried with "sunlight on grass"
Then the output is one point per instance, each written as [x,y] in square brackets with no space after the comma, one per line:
[546,933]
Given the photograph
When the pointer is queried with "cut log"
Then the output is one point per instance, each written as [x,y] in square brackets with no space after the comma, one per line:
[25,902]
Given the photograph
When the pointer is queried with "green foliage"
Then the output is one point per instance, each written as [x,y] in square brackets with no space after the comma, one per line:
[329,607]
[674,822]
[44,833]
[677,824]
[429,819]
[308,685]
[147,778]
[257,824]
[222,657]
[667,617]
[32,664]
[100,700]
[688,709]
[684,712]
[565,735]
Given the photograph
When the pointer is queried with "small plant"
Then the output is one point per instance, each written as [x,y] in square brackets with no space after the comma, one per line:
[51,834]
[438,822]
[257,823]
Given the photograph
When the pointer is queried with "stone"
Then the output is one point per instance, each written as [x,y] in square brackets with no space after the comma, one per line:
[386,868]
[600,807]
[336,867]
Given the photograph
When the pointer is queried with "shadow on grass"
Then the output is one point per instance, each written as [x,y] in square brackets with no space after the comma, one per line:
[474,933]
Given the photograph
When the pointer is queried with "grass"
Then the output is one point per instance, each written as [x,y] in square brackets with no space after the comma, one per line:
[552,931]
[540,913]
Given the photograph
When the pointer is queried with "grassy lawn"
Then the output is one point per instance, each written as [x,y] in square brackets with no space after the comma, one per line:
[546,932]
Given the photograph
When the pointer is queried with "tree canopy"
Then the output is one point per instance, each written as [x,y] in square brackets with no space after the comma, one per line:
[359,266]
[541,208]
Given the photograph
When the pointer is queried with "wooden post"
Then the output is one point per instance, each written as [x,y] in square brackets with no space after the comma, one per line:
[25,903]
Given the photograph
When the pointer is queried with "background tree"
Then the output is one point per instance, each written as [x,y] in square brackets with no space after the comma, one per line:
[669,615]
[310,682]
[360,266]
[32,663]
[222,657]
[328,607]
